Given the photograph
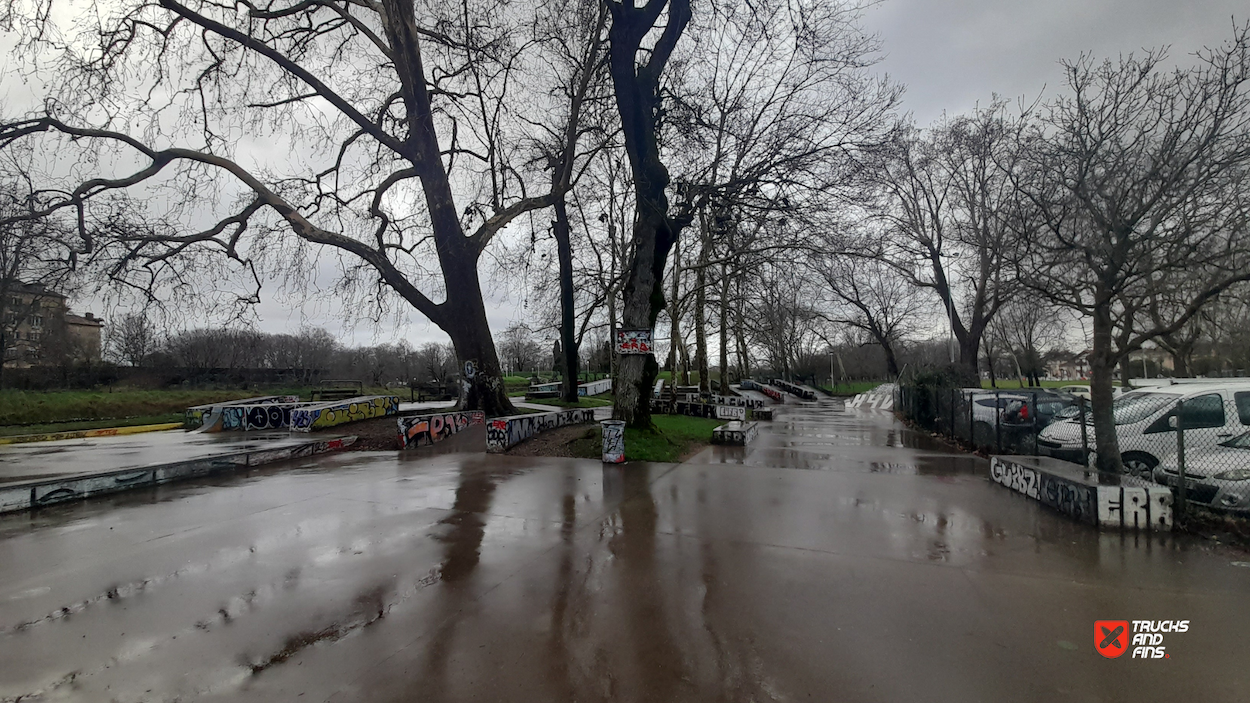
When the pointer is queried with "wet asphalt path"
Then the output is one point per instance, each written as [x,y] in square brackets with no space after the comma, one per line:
[842,557]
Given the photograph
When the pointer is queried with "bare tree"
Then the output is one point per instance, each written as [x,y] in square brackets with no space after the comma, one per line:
[133,338]
[1140,175]
[953,218]
[636,77]
[388,109]
[36,260]
[869,295]
[1025,328]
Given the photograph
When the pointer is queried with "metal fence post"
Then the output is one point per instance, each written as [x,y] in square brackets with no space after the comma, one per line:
[954,432]
[972,435]
[1034,414]
[1180,457]
[1084,436]
[998,422]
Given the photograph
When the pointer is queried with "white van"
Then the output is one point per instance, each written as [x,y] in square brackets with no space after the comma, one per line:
[1220,409]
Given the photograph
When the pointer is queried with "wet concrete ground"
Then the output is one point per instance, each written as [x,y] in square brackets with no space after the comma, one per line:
[841,557]
[70,457]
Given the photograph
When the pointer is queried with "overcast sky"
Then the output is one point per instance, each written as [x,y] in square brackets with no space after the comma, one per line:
[950,55]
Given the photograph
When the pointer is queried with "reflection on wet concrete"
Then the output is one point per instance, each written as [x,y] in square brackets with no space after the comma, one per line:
[839,557]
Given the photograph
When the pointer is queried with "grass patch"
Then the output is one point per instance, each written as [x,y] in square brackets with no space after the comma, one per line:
[122,406]
[90,424]
[592,401]
[674,437]
[851,388]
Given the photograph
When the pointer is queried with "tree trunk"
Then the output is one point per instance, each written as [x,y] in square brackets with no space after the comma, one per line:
[637,91]
[1126,372]
[969,350]
[891,361]
[1101,368]
[724,331]
[675,316]
[700,327]
[568,337]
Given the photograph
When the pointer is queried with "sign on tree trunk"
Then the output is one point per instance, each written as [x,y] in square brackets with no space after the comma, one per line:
[633,342]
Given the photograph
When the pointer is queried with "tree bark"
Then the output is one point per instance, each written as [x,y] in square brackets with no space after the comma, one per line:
[568,336]
[675,315]
[1102,364]
[724,331]
[700,327]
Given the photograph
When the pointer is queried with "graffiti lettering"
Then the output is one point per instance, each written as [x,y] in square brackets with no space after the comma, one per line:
[323,415]
[424,430]
[506,432]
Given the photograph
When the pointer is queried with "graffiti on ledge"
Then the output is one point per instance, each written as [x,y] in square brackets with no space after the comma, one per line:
[424,430]
[317,417]
[503,433]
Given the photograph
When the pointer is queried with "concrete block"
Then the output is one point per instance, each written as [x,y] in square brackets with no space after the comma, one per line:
[735,433]
[503,433]
[1079,493]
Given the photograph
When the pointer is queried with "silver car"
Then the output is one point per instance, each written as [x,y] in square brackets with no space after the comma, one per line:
[1217,476]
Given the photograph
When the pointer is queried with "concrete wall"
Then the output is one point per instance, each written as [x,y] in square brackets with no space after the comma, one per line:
[270,416]
[339,412]
[39,493]
[503,433]
[595,387]
[1077,493]
[741,433]
[194,416]
[763,388]
[424,430]
[719,412]
[793,389]
[717,399]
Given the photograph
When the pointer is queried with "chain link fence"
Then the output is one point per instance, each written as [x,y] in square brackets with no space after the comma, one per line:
[1194,440]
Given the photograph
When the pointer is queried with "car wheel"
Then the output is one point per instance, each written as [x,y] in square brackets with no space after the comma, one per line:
[1138,464]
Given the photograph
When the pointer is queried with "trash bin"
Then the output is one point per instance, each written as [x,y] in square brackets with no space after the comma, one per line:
[613,441]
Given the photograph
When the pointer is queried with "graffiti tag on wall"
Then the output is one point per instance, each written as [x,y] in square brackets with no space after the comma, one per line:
[788,387]
[633,342]
[718,412]
[318,417]
[766,390]
[735,433]
[506,432]
[717,399]
[194,416]
[424,430]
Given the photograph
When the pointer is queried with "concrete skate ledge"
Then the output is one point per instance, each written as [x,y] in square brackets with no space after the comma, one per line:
[86,434]
[34,494]
[503,433]
[736,433]
[762,414]
[1079,494]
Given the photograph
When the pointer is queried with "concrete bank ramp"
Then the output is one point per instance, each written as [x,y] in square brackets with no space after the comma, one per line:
[53,472]
[879,398]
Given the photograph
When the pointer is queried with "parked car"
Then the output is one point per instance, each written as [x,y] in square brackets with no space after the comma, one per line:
[1081,390]
[1217,476]
[1220,408]
[992,413]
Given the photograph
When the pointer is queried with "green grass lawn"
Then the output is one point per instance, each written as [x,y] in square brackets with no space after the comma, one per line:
[90,424]
[675,436]
[54,411]
[851,388]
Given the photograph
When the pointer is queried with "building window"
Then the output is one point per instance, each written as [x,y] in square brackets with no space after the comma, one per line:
[36,321]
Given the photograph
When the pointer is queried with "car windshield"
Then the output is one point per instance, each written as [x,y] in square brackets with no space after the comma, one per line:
[1241,441]
[1135,407]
